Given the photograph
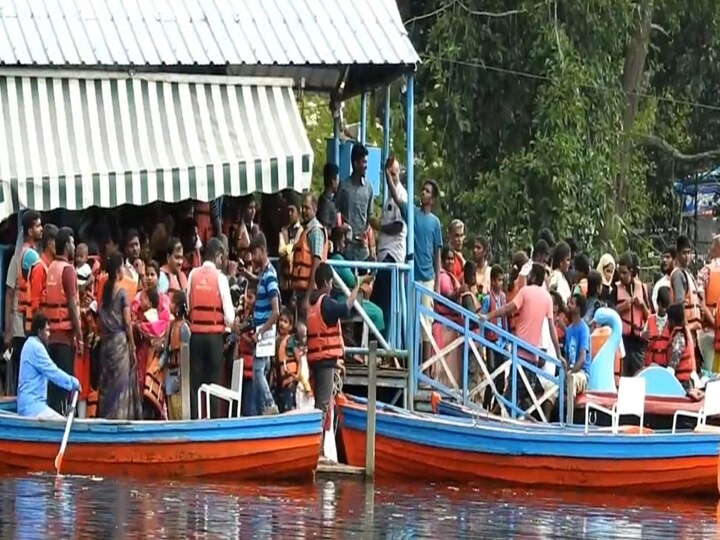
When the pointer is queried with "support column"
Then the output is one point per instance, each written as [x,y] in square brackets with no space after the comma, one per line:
[335,109]
[386,138]
[363,118]
[410,338]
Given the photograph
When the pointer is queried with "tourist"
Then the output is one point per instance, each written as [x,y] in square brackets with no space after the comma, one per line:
[540,255]
[631,303]
[171,276]
[493,301]
[310,250]
[480,255]
[657,332]
[577,345]
[468,291]
[560,266]
[594,288]
[684,287]
[286,363]
[428,242]
[118,390]
[606,267]
[349,278]
[132,254]
[265,317]
[82,267]
[327,213]
[187,231]
[681,350]
[516,282]
[456,233]
[354,201]
[211,314]
[286,242]
[246,351]
[62,309]
[391,242]
[708,283]
[14,326]
[581,266]
[177,338]
[38,273]
[324,336]
[448,373]
[36,369]
[667,265]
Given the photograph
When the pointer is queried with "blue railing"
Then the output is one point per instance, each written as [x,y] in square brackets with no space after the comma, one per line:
[471,330]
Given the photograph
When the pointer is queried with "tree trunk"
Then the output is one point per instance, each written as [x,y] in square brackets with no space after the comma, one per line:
[632,83]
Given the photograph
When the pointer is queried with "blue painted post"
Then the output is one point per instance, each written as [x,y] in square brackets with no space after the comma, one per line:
[412,326]
[466,348]
[394,289]
[336,133]
[363,117]
[514,378]
[386,137]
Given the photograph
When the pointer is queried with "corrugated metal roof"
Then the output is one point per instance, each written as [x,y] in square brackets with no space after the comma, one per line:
[297,38]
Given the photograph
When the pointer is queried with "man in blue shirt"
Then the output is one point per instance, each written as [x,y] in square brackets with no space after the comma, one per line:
[428,242]
[266,312]
[577,344]
[36,369]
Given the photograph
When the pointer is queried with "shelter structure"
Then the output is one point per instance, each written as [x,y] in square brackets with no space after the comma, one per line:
[108,102]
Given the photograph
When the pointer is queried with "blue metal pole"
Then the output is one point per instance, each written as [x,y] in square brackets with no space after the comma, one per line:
[336,138]
[394,290]
[363,117]
[386,137]
[412,345]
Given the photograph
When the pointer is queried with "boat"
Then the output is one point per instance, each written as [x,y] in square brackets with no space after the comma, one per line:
[281,447]
[441,448]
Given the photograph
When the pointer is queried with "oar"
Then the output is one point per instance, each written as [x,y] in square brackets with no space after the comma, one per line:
[66,435]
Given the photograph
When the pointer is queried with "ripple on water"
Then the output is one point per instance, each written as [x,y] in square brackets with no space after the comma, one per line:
[38,506]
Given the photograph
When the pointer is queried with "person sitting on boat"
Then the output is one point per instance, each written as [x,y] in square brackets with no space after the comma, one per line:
[286,363]
[594,284]
[577,344]
[681,349]
[176,338]
[632,304]
[36,369]
[656,331]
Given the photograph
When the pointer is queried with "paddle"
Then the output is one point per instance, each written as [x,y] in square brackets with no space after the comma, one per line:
[66,435]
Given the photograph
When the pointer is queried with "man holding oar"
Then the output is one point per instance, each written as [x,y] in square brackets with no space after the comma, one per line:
[36,369]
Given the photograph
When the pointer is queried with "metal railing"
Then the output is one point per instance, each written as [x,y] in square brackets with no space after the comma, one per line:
[470,336]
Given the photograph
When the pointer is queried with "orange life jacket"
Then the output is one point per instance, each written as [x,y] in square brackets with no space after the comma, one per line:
[206,310]
[657,347]
[691,302]
[633,319]
[22,285]
[489,335]
[174,344]
[323,342]
[288,367]
[712,290]
[458,268]
[246,350]
[56,303]
[154,388]
[37,298]
[176,282]
[303,259]
[92,403]
[447,311]
[687,360]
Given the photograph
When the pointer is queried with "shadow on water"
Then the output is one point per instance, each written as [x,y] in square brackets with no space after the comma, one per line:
[38,506]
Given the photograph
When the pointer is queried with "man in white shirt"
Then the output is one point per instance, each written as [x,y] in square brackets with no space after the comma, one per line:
[211,315]
[667,264]
[132,253]
[391,244]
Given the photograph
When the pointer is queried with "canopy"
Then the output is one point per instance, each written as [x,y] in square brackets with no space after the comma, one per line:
[80,139]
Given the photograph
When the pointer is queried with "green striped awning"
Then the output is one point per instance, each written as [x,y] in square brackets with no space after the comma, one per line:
[101,140]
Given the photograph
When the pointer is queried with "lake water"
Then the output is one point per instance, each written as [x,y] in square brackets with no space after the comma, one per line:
[38,506]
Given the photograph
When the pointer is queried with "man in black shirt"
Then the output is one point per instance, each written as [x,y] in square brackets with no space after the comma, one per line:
[326,210]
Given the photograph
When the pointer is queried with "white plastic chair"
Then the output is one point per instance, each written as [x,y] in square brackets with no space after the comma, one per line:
[711,406]
[231,395]
[630,400]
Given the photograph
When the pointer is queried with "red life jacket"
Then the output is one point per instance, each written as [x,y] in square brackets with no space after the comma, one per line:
[687,360]
[633,319]
[206,308]
[657,347]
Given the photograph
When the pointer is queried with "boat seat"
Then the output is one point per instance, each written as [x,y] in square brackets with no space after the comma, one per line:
[630,401]
[710,407]
[232,395]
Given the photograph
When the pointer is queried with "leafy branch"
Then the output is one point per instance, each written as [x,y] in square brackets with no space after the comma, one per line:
[664,146]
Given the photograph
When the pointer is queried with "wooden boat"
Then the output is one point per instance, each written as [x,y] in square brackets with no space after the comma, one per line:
[278,447]
[438,448]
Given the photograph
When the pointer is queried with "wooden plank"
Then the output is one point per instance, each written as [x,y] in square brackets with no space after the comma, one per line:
[338,469]
[371,411]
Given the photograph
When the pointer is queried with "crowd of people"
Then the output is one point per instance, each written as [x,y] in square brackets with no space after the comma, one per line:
[113,319]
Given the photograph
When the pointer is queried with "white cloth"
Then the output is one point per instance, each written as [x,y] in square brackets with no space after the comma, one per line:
[662,282]
[223,288]
[393,244]
[560,284]
[49,414]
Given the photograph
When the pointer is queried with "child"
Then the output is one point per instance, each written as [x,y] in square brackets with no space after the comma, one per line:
[559,317]
[177,339]
[681,349]
[577,344]
[656,331]
[594,288]
[304,399]
[494,300]
[246,351]
[286,363]
[82,268]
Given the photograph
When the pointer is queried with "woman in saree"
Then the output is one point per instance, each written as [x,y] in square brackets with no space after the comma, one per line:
[119,397]
[449,287]
[150,312]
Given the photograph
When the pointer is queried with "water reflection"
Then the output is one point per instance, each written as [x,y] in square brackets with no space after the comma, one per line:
[38,506]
